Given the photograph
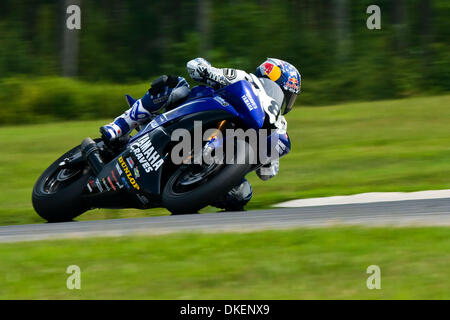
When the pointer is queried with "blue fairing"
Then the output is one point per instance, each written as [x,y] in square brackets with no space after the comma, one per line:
[241,96]
[238,99]
[190,107]
[201,92]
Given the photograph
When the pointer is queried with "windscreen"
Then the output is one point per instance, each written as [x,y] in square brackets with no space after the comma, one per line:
[273,90]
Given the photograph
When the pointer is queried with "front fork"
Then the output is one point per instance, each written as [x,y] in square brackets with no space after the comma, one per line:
[91,153]
[94,153]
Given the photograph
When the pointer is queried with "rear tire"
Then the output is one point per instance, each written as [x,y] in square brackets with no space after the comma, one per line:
[65,203]
[227,177]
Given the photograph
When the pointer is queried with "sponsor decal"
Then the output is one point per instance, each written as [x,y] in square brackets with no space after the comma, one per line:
[105,184]
[221,101]
[136,173]
[119,171]
[146,154]
[292,83]
[127,172]
[99,186]
[249,102]
[272,71]
[125,183]
[90,185]
[267,67]
[115,179]
[130,162]
[111,184]
[142,198]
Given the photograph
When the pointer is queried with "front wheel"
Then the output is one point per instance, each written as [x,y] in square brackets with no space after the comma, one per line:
[192,187]
[57,193]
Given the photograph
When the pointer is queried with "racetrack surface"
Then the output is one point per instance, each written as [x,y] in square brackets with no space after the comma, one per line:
[435,212]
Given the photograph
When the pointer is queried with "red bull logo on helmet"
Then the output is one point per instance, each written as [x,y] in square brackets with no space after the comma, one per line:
[271,70]
[293,83]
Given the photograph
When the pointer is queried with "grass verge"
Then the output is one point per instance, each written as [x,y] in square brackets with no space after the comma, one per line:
[293,264]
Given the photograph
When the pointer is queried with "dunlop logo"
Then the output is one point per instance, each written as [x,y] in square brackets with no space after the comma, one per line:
[128,174]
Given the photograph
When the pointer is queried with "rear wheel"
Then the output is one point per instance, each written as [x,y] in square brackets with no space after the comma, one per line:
[56,194]
[192,187]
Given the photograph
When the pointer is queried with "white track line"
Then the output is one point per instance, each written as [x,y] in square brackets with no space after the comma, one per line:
[370,197]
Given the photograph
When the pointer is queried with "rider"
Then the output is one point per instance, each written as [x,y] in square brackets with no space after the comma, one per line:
[168,92]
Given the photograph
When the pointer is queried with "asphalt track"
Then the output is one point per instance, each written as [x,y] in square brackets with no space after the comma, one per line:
[434,212]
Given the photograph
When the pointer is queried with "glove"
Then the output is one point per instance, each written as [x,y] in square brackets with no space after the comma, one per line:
[198,69]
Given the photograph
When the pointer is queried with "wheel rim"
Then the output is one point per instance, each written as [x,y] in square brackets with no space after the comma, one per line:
[59,179]
[193,176]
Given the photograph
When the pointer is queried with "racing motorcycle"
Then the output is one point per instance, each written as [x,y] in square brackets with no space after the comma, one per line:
[137,171]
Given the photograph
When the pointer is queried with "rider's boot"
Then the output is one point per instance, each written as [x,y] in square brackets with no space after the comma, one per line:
[125,123]
[165,92]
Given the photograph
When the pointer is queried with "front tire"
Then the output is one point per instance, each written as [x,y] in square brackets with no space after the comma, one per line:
[57,193]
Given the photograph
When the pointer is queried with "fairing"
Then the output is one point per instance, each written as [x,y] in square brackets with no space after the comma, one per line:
[137,171]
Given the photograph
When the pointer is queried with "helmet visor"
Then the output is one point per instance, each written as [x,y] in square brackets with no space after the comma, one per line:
[289,100]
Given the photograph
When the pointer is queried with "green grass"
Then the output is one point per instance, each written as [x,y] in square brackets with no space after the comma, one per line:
[295,264]
[398,145]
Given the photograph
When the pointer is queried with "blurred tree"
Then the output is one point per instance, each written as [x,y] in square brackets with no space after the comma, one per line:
[136,40]
[399,24]
[342,25]
[425,29]
[204,17]
[70,43]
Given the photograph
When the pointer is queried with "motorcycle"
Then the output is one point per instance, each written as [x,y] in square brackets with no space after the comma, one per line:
[137,171]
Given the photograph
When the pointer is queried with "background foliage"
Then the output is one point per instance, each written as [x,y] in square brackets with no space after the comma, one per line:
[134,41]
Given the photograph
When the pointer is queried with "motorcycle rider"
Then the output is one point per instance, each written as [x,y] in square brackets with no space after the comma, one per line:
[168,92]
